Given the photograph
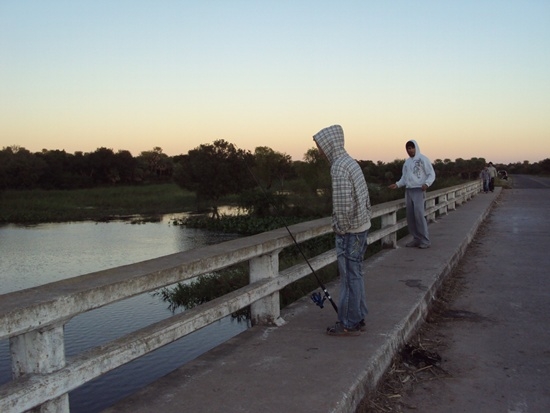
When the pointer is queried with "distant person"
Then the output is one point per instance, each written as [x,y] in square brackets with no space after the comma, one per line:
[493,175]
[418,175]
[485,178]
[351,212]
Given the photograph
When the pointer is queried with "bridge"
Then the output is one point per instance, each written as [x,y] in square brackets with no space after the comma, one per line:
[285,362]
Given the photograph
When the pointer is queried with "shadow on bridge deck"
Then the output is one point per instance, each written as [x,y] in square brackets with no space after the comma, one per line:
[297,367]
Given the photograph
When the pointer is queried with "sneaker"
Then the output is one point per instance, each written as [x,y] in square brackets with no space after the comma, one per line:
[361,326]
[412,244]
[424,246]
[339,330]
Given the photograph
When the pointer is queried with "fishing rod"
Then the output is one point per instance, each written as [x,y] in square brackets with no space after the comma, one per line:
[316,297]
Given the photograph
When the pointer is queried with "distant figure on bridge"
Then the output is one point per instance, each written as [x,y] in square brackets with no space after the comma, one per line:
[351,212]
[485,178]
[493,174]
[418,174]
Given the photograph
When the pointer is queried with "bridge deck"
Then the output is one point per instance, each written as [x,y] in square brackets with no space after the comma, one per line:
[298,368]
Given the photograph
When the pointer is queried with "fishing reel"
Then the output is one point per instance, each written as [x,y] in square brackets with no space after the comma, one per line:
[318,299]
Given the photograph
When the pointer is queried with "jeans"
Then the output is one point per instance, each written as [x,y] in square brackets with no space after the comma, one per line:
[350,251]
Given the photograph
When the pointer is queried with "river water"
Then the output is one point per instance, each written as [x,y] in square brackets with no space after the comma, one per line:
[37,255]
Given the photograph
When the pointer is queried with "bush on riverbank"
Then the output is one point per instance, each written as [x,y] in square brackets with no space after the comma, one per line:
[210,286]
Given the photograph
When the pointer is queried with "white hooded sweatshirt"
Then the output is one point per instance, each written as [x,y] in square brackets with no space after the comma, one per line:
[417,171]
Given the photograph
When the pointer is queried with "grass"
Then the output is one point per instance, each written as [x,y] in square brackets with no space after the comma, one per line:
[97,204]
[116,202]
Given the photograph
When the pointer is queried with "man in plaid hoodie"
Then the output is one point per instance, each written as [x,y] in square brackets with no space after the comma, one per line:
[351,212]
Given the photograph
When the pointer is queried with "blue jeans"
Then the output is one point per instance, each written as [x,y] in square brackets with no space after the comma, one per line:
[350,251]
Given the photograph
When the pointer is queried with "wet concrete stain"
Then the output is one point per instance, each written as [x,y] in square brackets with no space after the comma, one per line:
[415,284]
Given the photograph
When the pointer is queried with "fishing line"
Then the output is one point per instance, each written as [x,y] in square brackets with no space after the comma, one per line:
[316,297]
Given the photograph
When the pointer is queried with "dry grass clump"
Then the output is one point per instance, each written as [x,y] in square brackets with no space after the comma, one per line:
[419,360]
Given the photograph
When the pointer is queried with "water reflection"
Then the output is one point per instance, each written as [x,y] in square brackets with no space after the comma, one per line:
[32,256]
[45,253]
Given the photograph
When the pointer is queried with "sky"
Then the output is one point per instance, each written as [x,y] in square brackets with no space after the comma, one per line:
[464,78]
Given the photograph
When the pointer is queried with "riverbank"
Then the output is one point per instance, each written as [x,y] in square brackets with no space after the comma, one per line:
[149,202]
[95,204]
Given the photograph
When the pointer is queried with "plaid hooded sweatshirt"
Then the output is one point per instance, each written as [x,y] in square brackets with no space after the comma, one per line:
[351,209]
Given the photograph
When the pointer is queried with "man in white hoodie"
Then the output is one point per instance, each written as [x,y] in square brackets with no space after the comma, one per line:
[418,174]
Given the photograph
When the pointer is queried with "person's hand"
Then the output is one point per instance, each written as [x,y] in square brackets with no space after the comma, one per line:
[393,186]
[424,187]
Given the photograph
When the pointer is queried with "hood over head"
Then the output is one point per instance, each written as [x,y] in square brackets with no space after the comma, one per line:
[412,141]
[331,141]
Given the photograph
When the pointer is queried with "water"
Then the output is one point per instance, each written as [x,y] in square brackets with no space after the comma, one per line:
[37,255]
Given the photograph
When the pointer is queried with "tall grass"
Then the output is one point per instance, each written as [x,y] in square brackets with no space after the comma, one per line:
[98,204]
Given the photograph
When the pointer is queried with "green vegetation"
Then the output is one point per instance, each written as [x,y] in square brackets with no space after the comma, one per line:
[210,286]
[239,224]
[215,171]
[53,186]
[206,288]
[97,204]
[150,201]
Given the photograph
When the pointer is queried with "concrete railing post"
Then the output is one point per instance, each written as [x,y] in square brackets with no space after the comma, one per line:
[443,201]
[387,220]
[267,310]
[451,198]
[474,190]
[430,203]
[460,198]
[40,351]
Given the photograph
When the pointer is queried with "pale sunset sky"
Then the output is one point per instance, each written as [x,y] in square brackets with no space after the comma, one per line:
[465,78]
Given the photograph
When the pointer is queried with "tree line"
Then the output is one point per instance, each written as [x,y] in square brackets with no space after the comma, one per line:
[211,170]
[57,169]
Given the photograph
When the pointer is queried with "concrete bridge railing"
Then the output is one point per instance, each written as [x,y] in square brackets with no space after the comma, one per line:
[33,319]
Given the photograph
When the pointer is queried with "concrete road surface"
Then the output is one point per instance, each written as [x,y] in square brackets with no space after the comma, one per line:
[499,360]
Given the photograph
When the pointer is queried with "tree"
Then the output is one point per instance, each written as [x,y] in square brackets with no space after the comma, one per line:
[545,165]
[314,185]
[214,171]
[444,168]
[156,164]
[476,165]
[315,170]
[102,166]
[57,173]
[126,166]
[369,170]
[271,166]
[20,168]
[394,171]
